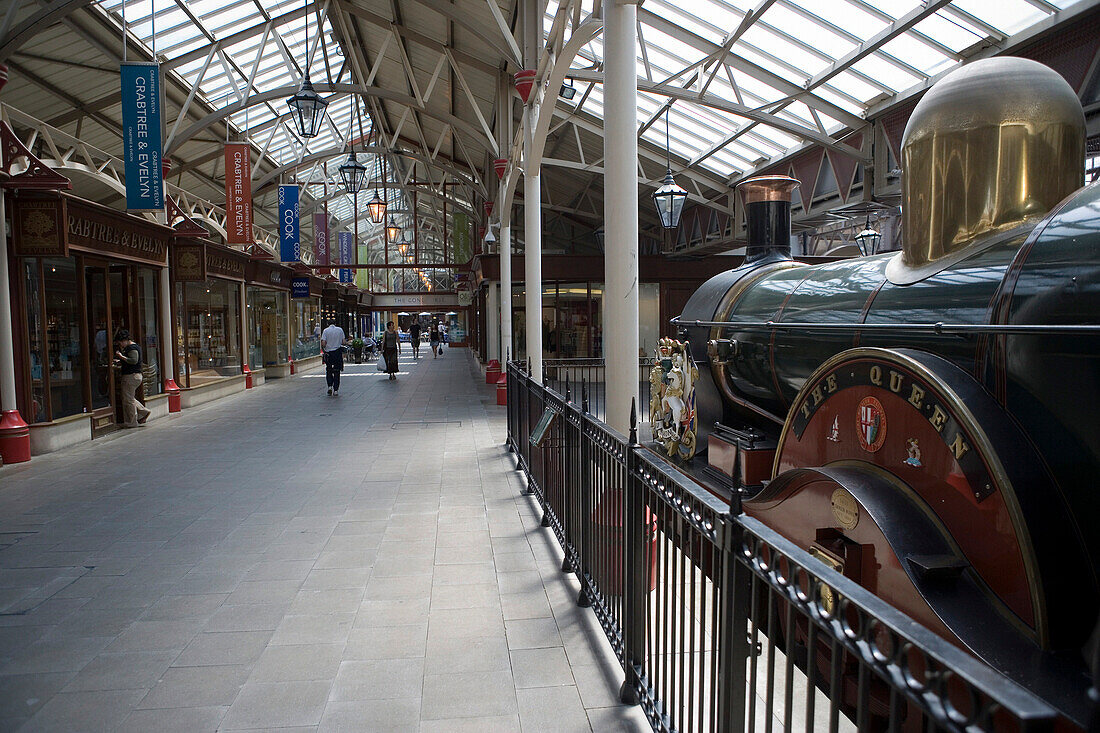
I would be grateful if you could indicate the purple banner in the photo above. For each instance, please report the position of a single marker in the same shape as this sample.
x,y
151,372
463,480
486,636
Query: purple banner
x,y
347,257
320,241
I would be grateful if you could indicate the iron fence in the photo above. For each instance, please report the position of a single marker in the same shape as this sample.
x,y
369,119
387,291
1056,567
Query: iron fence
x,y
720,623
560,372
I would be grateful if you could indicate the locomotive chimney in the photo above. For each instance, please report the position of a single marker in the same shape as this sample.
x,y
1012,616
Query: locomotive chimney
x,y
767,216
995,144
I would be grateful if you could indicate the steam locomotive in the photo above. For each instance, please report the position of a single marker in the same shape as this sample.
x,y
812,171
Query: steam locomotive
x,y
926,422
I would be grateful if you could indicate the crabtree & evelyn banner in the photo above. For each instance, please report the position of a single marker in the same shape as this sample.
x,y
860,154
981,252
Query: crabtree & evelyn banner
x,y
141,136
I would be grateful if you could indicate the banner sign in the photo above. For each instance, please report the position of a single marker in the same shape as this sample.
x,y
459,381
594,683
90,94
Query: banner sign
x,y
141,136
299,287
321,254
238,193
290,244
347,257
460,239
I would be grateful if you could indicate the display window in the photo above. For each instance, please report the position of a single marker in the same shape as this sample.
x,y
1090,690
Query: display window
x,y
305,328
68,300
208,324
267,327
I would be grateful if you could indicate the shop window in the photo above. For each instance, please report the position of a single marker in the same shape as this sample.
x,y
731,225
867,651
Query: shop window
x,y
63,347
212,330
649,317
305,328
149,331
267,329
571,335
36,349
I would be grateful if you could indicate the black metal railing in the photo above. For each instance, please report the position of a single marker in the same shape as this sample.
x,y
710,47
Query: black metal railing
x,y
560,372
720,623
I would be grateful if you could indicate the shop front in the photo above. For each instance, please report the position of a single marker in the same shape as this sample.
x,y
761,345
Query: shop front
x,y
267,295
84,272
305,318
207,282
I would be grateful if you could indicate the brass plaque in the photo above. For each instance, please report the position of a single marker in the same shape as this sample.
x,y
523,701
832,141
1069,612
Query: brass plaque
x,y
845,509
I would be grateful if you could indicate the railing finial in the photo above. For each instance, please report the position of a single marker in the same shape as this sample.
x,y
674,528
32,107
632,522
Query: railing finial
x,y
633,421
584,395
568,396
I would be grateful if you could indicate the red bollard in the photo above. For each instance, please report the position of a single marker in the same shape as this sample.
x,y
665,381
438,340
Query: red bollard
x,y
173,392
502,390
292,370
247,376
15,437
492,374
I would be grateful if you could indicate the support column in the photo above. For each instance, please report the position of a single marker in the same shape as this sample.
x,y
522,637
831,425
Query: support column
x,y
492,323
168,343
532,249
532,193
246,370
507,348
15,436
620,328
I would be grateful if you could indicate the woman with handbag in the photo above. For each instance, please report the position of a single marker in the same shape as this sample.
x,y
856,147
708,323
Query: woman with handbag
x,y
391,345
433,340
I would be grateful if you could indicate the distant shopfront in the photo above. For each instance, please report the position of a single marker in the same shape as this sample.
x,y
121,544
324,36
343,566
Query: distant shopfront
x,y
83,272
305,318
207,283
267,308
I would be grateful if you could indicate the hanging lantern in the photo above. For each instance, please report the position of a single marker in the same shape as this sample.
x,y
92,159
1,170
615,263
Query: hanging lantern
x,y
353,173
307,108
403,247
868,240
376,209
669,199
392,231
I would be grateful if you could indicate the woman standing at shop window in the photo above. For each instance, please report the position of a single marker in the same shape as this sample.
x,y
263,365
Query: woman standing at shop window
x,y
128,361
391,345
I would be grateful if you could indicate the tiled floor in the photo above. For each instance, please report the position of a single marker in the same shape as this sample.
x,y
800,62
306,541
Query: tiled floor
x,y
285,560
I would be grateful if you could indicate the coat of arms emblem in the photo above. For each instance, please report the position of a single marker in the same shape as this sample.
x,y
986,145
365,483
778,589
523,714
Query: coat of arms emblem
x,y
672,413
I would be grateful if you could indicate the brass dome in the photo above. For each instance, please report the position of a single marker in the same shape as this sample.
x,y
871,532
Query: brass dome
x,y
990,146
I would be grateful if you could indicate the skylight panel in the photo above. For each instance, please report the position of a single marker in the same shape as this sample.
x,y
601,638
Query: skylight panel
x,y
882,71
852,85
1007,16
950,31
693,22
822,37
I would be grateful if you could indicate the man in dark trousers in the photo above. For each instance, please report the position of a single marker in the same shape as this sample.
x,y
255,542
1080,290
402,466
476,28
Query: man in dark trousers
x,y
128,360
332,347
414,338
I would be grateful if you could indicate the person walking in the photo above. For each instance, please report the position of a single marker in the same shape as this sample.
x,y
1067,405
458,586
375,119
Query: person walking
x,y
433,339
442,337
391,346
332,348
414,338
128,361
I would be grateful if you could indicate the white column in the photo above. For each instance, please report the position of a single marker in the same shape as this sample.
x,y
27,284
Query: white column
x,y
167,343
620,328
532,192
492,322
532,248
7,339
504,242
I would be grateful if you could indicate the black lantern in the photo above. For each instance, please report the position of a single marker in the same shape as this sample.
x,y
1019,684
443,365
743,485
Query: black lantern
x,y
376,209
669,198
307,108
868,240
392,231
353,173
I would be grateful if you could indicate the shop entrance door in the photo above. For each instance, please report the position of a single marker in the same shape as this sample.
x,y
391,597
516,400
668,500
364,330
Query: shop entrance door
x,y
108,311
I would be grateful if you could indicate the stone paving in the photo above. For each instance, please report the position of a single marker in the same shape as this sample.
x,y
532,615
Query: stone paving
x,y
283,560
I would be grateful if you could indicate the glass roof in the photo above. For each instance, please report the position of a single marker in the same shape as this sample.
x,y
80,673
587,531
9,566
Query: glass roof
x,y
792,40
770,67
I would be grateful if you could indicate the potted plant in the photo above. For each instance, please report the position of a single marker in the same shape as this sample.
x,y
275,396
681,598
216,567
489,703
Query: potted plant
x,y
357,349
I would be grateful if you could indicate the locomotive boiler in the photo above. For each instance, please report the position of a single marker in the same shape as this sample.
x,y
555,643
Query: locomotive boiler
x,y
925,422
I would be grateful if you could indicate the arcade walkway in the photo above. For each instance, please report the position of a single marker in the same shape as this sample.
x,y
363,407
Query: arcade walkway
x,y
285,560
